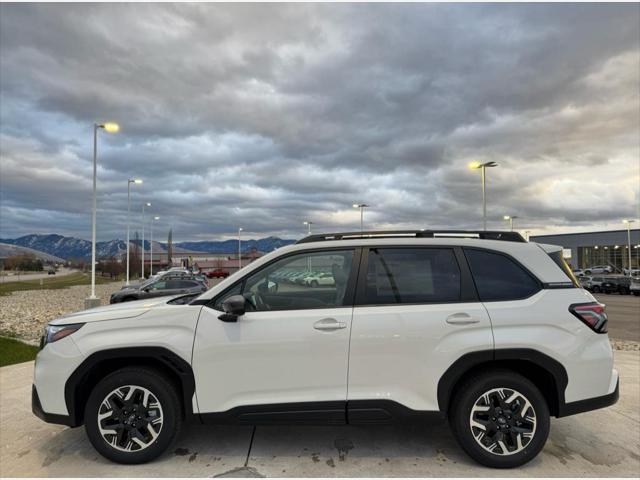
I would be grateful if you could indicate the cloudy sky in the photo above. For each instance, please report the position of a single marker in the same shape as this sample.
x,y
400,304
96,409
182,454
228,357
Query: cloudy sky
x,y
264,116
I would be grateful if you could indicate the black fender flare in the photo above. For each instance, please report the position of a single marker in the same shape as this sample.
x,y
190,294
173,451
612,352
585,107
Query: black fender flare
x,y
472,360
75,389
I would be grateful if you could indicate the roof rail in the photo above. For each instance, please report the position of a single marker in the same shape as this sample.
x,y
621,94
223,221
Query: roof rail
x,y
424,233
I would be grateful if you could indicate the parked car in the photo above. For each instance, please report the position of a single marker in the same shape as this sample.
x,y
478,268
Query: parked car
x,y
598,269
635,272
51,271
578,272
319,279
595,284
510,341
634,286
217,273
617,284
585,282
167,285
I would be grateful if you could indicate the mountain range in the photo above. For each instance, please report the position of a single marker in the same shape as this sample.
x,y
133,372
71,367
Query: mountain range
x,y
72,247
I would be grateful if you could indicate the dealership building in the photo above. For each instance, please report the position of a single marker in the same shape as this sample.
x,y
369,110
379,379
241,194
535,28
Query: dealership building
x,y
587,249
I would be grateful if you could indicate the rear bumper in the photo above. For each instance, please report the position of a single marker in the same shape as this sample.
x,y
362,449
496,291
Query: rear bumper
x,y
36,408
589,404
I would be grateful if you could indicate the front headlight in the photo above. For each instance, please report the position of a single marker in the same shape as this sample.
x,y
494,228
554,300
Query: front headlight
x,y
53,333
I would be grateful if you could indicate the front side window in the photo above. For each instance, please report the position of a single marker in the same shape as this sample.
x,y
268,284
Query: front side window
x,y
292,283
499,278
412,275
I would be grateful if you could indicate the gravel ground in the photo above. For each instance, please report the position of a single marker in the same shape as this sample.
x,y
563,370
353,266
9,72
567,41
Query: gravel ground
x,y
23,314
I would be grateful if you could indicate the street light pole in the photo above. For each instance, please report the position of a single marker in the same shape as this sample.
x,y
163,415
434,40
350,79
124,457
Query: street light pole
x,y
629,222
483,167
151,245
239,248
361,206
110,127
308,224
129,182
147,204
510,218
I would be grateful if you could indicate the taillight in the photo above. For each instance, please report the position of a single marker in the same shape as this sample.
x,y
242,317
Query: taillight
x,y
592,314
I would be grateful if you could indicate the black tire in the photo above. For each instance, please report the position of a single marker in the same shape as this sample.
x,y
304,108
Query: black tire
x,y
471,391
636,293
314,284
596,289
167,397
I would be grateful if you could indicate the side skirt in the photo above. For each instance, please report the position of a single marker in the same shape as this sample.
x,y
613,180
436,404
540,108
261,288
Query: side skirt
x,y
353,412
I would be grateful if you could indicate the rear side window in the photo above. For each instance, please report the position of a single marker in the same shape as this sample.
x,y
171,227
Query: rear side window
x,y
408,275
498,278
559,260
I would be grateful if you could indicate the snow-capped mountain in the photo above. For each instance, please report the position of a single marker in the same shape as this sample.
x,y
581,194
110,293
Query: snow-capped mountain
x,y
71,247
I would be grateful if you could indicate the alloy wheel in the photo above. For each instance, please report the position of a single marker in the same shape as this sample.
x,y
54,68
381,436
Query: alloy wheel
x,y
130,418
503,421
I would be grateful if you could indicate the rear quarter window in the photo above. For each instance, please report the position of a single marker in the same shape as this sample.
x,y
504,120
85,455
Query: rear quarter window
x,y
499,278
559,260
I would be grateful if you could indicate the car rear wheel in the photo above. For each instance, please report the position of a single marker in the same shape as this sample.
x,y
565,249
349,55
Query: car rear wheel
x,y
596,289
132,415
500,419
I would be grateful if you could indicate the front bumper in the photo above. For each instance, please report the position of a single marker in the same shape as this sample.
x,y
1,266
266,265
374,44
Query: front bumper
x,y
36,408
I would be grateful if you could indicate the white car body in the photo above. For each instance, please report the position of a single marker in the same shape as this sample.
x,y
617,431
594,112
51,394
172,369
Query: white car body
x,y
397,354
598,269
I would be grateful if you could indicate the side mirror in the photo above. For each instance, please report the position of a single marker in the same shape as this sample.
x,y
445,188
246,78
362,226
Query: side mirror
x,y
233,307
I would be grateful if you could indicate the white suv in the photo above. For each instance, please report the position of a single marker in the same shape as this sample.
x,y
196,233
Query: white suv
x,y
482,328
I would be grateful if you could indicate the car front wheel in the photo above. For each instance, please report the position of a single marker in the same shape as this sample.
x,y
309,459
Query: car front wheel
x,y
132,415
500,419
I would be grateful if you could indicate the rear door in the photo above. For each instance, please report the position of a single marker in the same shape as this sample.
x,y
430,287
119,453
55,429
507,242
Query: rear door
x,y
416,313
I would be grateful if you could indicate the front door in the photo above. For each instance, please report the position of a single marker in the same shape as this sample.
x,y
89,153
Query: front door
x,y
290,347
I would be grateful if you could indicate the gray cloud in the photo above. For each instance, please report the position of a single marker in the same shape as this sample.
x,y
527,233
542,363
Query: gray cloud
x,y
266,115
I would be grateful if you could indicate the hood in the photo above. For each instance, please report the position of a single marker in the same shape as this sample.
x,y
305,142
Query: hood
x,y
116,311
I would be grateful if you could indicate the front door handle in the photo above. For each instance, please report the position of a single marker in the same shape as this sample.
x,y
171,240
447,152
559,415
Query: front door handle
x,y
329,324
461,319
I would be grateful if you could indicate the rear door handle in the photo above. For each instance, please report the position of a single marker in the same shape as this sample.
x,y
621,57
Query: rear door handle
x,y
461,319
329,324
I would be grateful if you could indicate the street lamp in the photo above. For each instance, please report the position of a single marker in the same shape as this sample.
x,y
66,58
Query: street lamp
x,y
129,182
510,218
308,224
361,206
151,245
110,127
483,167
239,248
147,204
629,222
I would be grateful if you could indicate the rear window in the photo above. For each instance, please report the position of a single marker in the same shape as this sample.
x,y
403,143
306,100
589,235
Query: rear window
x,y
498,277
559,260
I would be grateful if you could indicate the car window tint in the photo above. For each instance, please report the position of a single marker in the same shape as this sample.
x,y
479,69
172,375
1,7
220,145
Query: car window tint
x,y
235,290
159,285
292,283
497,277
408,275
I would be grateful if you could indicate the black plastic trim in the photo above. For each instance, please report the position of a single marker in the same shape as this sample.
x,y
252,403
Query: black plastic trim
x,y
423,233
36,408
173,362
304,413
589,404
467,362
353,412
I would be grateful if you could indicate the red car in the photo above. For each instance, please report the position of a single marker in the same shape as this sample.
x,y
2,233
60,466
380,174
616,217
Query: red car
x,y
217,273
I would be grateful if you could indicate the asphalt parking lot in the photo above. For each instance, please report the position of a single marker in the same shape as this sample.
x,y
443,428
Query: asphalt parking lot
x,y
594,444
624,316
